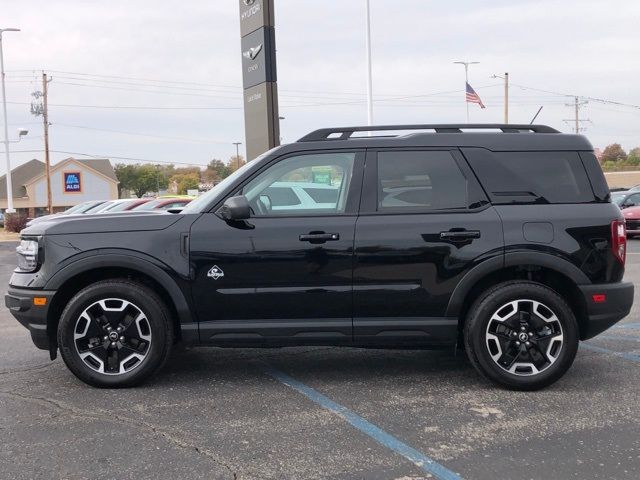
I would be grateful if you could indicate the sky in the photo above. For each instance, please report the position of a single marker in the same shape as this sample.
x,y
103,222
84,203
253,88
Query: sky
x,y
161,80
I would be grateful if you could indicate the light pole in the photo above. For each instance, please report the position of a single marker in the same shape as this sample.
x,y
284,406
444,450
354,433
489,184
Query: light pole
x,y
506,95
369,75
237,144
466,81
6,126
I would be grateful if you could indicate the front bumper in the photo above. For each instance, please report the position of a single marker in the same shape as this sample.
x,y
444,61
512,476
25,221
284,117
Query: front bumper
x,y
604,314
20,302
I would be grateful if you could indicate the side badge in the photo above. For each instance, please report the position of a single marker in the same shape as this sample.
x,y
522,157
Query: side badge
x,y
215,272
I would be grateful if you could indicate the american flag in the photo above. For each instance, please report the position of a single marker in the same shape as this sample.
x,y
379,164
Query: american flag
x,y
473,97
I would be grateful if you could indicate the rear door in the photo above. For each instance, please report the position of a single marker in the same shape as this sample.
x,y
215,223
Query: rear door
x,y
424,222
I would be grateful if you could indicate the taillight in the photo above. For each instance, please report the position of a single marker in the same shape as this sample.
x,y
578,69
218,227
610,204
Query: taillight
x,y
619,240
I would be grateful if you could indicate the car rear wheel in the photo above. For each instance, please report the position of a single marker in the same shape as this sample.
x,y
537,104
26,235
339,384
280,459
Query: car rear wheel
x,y
115,333
521,335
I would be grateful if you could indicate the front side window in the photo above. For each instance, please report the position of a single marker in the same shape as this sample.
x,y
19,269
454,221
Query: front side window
x,y
290,187
420,180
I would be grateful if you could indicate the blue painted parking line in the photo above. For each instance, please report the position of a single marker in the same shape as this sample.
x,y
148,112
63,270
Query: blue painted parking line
x,y
634,357
428,465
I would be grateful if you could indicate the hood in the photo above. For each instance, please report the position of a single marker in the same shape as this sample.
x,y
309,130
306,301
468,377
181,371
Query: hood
x,y
43,218
631,212
103,223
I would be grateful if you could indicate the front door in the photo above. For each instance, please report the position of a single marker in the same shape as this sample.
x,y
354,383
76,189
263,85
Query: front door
x,y
285,275
423,224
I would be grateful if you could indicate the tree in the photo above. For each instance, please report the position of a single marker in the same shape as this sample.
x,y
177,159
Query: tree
x,y
634,157
614,152
235,163
140,179
189,181
126,175
216,170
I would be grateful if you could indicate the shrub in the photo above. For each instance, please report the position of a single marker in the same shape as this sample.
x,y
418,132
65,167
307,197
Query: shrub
x,y
15,222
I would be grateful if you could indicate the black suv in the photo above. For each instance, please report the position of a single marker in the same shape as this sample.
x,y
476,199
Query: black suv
x,y
498,238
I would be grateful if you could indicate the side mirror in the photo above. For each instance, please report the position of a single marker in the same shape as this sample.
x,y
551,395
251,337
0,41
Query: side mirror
x,y
235,208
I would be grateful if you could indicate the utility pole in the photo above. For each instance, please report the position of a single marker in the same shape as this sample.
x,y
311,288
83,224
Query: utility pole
x,y
466,82
10,208
369,75
41,108
45,117
576,120
237,144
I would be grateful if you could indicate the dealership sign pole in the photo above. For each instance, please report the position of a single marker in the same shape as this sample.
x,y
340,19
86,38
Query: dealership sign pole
x,y
257,32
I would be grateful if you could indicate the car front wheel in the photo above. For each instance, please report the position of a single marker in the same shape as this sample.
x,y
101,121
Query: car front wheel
x,y
115,333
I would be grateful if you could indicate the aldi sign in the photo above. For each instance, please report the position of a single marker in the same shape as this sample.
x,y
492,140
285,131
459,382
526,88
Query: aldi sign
x,y
72,182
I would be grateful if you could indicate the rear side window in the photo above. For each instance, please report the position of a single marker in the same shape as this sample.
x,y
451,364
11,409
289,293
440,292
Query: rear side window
x,y
420,180
531,177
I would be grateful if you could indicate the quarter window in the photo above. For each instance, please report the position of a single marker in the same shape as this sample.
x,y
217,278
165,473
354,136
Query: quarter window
x,y
420,180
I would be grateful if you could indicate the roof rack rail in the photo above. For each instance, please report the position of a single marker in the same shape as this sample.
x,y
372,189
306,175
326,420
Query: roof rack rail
x,y
344,133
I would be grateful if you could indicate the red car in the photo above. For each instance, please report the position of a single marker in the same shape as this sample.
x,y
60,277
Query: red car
x,y
632,220
164,204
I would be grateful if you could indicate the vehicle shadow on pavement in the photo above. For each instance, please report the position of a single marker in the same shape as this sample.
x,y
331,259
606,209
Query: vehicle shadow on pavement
x,y
328,363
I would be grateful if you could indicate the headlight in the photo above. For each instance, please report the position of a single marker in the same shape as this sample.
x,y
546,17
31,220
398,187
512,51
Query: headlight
x,y
27,255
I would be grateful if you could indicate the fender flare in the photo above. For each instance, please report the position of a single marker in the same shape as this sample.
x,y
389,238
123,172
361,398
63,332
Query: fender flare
x,y
512,259
144,264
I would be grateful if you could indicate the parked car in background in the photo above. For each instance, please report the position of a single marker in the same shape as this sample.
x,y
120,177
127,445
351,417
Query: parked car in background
x,y
165,203
79,209
300,195
632,221
124,205
626,199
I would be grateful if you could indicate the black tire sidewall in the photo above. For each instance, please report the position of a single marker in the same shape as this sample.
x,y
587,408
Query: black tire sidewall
x,y
488,304
143,298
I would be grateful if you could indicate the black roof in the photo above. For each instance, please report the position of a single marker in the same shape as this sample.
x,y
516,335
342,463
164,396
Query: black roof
x,y
496,137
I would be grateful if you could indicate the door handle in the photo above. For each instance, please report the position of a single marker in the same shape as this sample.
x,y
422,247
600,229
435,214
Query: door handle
x,y
319,237
459,234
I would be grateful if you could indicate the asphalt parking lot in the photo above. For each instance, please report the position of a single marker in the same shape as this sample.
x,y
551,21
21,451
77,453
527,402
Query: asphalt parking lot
x,y
301,413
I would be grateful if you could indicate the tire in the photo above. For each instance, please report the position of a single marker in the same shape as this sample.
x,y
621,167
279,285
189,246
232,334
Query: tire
x,y
115,333
521,335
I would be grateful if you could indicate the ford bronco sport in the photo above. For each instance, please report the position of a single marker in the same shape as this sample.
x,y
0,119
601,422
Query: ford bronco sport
x,y
498,238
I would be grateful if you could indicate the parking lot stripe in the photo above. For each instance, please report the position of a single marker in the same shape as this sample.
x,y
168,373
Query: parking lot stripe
x,y
385,439
626,355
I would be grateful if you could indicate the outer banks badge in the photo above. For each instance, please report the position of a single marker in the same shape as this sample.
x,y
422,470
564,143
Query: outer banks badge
x,y
215,272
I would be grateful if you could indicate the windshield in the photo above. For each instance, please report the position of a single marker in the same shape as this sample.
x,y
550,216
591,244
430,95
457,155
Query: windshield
x,y
149,205
100,207
205,199
77,209
618,197
119,207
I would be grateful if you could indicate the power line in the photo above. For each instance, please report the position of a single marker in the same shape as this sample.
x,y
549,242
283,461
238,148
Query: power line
x,y
163,137
112,157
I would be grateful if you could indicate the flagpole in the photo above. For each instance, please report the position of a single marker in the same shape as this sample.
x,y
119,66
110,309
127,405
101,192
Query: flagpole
x,y
369,76
466,82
